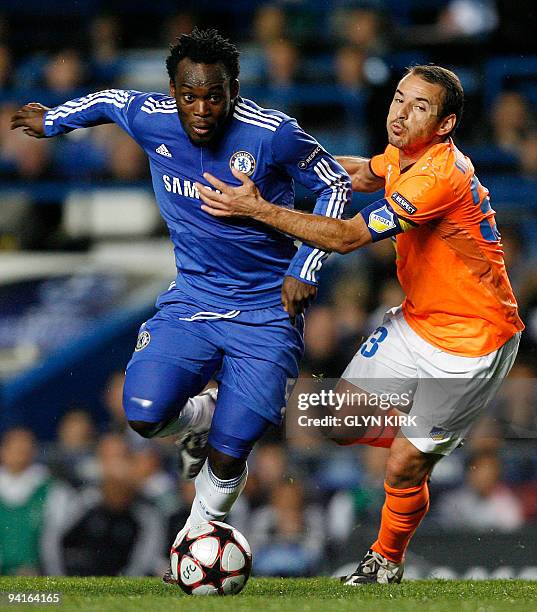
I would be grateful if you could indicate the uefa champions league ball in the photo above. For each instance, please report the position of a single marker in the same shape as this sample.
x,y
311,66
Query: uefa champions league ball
x,y
211,559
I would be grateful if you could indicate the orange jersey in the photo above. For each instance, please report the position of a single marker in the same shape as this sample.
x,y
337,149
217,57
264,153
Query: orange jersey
x,y
449,258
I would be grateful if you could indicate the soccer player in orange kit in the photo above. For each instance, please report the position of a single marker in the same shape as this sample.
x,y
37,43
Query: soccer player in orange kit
x,y
458,326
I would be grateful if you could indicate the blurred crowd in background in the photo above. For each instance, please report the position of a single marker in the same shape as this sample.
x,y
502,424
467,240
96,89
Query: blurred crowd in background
x,y
103,500
332,65
110,502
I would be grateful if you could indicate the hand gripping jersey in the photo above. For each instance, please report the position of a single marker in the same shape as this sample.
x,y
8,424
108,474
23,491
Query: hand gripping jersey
x,y
450,265
224,263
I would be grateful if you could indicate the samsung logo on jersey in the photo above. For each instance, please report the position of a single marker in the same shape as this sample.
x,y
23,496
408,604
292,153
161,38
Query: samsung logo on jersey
x,y
173,184
403,203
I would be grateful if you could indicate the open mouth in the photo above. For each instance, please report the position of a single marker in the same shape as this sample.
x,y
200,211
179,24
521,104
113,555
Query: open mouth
x,y
202,130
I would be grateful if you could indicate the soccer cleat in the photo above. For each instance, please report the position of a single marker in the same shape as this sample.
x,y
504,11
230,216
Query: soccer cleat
x,y
374,568
193,452
168,577
193,444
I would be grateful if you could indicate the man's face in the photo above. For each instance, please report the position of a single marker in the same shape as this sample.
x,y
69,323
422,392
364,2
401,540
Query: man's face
x,y
413,119
17,451
204,97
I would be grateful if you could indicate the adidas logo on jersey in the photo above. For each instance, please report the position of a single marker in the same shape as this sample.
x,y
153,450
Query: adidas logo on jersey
x,y
163,150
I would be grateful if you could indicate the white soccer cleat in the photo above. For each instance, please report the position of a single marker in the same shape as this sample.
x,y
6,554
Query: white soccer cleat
x,y
375,569
193,444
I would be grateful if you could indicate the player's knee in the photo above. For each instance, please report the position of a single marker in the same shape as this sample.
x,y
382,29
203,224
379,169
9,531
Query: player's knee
x,y
404,470
225,466
397,472
145,429
344,441
339,441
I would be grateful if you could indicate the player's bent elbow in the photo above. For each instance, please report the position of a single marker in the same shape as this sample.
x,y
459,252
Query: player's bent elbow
x,y
363,182
361,185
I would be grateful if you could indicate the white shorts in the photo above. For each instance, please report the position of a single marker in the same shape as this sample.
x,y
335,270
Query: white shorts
x,y
448,392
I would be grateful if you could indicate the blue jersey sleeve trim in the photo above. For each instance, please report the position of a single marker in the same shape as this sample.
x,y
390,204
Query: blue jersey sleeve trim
x,y
302,279
305,160
106,106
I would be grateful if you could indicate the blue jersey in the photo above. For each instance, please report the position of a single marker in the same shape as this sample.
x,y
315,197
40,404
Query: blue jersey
x,y
221,262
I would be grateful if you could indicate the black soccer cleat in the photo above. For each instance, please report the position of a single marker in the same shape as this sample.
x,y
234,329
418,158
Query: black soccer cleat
x,y
168,577
375,569
193,451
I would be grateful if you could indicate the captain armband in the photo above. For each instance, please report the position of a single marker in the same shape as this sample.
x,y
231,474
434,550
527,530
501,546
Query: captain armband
x,y
382,221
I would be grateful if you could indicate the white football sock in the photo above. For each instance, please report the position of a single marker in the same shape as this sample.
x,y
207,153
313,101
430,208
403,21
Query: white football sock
x,y
214,497
196,415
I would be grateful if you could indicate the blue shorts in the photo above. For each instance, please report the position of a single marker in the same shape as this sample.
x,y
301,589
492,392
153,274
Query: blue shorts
x,y
252,354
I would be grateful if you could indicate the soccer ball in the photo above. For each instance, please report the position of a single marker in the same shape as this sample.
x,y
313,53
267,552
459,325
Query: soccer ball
x,y
211,559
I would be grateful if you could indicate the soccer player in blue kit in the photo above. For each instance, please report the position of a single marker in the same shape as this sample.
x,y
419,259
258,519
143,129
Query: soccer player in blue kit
x,y
235,309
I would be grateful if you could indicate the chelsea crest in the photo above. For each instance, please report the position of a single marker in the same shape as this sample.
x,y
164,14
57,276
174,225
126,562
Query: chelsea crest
x,y
243,162
144,338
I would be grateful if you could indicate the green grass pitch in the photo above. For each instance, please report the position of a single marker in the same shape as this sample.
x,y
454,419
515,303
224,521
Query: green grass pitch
x,y
266,594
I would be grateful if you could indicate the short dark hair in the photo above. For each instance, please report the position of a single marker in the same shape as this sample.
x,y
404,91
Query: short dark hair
x,y
204,47
453,102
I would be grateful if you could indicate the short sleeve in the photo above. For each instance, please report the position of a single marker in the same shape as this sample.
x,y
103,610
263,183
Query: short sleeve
x,y
422,197
377,165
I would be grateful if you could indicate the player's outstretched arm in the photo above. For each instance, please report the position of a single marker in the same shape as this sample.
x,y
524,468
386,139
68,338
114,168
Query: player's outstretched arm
x,y
30,118
325,233
106,106
359,170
